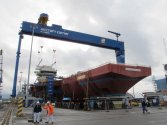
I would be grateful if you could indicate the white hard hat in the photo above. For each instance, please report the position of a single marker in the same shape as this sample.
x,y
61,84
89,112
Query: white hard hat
x,y
37,102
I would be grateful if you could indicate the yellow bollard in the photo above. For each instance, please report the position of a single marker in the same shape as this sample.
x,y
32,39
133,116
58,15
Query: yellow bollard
x,y
20,107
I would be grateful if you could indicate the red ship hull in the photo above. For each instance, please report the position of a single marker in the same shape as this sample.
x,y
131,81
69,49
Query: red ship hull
x,y
109,79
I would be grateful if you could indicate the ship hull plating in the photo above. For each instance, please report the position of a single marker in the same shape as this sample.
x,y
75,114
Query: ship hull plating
x,y
106,80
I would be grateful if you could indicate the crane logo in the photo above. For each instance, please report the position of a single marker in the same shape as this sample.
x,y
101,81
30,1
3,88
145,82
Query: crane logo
x,y
47,31
50,31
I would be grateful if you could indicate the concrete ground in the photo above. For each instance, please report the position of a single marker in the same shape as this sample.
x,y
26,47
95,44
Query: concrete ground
x,y
113,117
1,115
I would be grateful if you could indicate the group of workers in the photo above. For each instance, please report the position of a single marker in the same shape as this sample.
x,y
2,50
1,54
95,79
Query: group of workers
x,y
38,109
50,110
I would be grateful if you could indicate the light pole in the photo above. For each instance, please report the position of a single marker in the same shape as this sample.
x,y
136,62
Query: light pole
x,y
87,90
29,69
73,93
87,86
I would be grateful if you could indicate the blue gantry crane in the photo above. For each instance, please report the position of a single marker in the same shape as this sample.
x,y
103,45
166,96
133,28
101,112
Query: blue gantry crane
x,y
41,29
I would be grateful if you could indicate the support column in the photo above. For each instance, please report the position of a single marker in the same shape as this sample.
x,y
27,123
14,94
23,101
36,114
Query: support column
x,y
17,65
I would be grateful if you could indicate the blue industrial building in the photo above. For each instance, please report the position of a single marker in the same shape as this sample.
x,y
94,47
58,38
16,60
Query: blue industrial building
x,y
161,84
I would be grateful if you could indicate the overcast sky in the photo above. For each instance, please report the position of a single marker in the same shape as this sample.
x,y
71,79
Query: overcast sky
x,y
142,24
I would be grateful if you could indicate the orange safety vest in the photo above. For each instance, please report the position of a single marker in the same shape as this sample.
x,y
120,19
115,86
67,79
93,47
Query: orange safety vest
x,y
49,108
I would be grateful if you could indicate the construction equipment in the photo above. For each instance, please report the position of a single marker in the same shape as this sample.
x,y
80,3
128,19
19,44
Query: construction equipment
x,y
57,32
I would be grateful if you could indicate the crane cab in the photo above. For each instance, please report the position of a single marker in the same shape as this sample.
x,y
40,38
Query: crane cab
x,y
43,19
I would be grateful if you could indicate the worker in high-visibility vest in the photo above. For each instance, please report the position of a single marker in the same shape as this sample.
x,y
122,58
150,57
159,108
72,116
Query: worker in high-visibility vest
x,y
50,111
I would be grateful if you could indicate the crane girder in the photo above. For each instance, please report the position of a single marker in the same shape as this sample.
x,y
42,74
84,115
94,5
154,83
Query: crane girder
x,y
57,32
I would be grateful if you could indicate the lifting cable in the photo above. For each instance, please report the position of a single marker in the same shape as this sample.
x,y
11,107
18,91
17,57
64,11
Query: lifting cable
x,y
39,56
54,58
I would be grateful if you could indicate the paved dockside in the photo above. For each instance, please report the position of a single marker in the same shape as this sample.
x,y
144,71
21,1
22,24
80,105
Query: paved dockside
x,y
113,117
